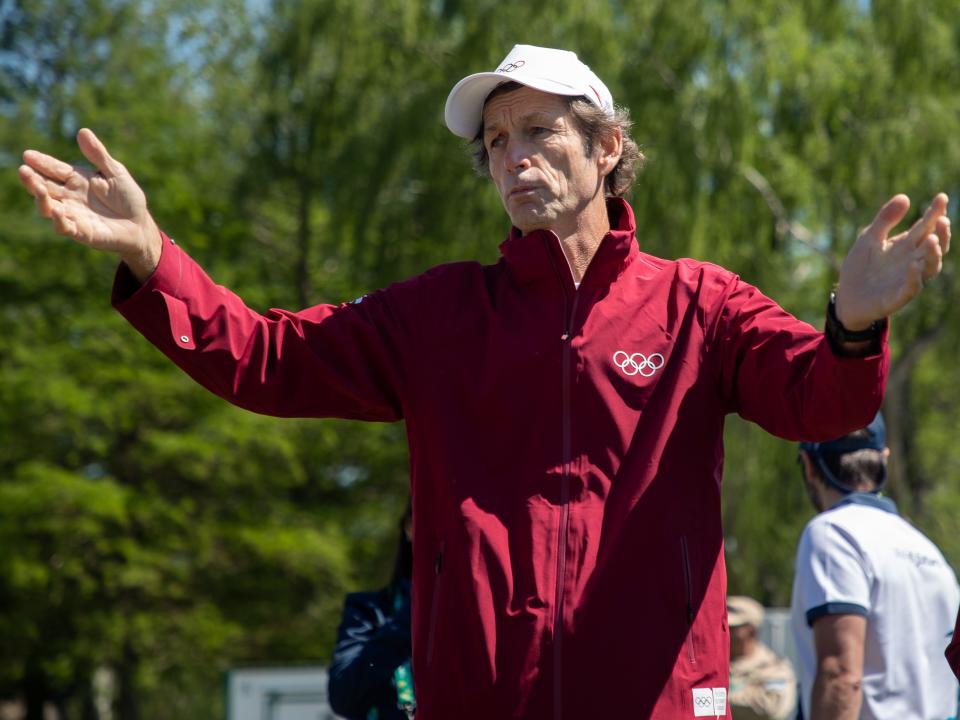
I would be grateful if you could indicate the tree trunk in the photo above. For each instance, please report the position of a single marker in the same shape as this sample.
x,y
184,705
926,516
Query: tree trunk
x,y
908,483
127,701
34,693
305,196
88,707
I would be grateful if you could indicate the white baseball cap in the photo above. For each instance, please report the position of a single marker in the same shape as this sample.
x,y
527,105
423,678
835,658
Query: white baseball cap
x,y
554,71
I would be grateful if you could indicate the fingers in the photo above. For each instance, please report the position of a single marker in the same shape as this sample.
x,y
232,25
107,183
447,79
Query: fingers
x,y
892,212
929,221
96,152
48,205
931,238
63,224
928,257
943,234
53,209
56,211
47,166
30,180
36,186
58,171
44,205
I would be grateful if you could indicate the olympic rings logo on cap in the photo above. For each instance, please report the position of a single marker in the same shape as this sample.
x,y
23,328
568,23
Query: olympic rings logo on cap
x,y
510,67
638,363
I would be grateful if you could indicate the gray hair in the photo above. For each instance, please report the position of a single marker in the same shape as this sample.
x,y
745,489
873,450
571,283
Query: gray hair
x,y
593,124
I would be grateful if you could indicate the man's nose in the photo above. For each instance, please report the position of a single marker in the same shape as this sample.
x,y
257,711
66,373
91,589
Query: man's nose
x,y
517,156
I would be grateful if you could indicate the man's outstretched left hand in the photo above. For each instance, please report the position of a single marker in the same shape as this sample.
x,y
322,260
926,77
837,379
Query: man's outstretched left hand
x,y
884,272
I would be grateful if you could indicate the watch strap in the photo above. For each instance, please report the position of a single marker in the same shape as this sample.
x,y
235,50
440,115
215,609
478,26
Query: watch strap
x,y
839,336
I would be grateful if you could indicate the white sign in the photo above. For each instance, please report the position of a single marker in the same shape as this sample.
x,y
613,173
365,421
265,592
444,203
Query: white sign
x,y
278,694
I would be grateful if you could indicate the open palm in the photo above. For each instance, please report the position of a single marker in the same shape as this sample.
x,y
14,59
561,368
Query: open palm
x,y
883,272
102,207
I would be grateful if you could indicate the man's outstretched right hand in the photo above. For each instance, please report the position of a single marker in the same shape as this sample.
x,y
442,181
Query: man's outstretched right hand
x,y
102,208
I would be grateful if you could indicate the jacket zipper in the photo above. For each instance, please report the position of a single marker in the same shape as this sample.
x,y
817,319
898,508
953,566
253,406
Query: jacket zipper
x,y
435,597
564,510
688,585
569,315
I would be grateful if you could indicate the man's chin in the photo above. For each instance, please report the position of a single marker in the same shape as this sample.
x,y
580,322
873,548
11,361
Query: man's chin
x,y
527,222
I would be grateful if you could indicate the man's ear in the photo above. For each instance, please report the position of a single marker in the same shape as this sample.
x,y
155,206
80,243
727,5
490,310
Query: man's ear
x,y
610,149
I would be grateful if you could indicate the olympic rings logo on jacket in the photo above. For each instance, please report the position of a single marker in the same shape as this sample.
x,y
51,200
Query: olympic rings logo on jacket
x,y
638,363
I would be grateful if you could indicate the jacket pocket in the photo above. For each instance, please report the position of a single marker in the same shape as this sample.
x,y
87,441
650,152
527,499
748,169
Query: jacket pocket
x,y
434,604
688,589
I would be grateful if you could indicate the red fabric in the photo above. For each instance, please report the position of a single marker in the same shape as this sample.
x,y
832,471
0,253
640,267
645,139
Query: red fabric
x,y
569,551
953,650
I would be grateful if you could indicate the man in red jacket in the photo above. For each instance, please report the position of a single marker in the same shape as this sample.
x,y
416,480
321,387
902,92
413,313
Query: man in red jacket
x,y
564,406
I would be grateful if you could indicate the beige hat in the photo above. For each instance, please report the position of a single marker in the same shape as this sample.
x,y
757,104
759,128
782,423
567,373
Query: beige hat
x,y
743,610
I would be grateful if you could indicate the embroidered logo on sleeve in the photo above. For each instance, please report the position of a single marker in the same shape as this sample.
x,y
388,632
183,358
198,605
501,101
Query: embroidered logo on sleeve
x,y
709,702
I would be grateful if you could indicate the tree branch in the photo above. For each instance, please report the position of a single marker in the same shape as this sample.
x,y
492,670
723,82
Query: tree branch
x,y
784,225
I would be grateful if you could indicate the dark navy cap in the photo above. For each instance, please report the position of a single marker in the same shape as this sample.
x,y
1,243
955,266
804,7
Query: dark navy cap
x,y
875,438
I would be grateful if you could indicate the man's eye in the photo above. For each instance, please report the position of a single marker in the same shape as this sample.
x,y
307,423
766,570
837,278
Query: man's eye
x,y
496,142
539,131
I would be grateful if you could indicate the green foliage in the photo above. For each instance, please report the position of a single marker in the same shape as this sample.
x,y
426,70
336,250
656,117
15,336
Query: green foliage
x,y
298,152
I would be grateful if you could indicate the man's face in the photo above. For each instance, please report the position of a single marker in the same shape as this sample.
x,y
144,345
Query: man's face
x,y
538,160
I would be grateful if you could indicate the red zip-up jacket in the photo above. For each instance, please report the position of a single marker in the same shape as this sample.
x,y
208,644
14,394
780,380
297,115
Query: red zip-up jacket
x,y
565,452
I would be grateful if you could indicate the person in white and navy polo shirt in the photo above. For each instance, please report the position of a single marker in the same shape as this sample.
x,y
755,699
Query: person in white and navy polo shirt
x,y
874,600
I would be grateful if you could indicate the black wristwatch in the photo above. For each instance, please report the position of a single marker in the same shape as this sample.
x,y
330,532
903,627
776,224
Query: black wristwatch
x,y
839,336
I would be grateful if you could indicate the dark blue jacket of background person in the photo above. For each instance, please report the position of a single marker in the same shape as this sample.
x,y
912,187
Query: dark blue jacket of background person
x,y
373,641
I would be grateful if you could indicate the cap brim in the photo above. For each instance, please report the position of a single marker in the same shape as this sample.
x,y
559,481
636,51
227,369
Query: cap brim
x,y
464,107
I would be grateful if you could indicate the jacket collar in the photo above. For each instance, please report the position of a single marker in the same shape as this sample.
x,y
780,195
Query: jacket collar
x,y
538,255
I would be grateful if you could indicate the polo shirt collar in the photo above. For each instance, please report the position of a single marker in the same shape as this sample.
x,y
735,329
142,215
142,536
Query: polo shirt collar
x,y
869,500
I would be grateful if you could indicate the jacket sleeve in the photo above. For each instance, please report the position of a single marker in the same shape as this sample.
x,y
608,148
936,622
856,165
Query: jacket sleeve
x,y
370,646
781,373
326,361
953,650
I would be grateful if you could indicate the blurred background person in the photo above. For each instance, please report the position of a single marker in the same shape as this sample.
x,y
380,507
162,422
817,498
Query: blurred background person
x,y
762,685
874,600
370,673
